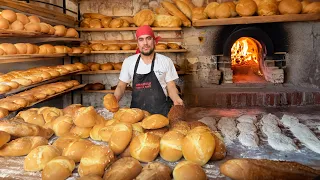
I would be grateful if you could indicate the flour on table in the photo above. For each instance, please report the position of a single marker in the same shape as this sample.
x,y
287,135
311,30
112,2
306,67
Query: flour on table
x,y
288,120
269,129
269,119
281,142
247,118
249,139
210,122
246,127
226,122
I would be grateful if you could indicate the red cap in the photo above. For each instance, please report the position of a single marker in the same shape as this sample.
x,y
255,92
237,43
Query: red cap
x,y
146,30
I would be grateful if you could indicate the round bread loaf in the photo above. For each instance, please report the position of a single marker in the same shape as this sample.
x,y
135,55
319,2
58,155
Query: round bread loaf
x,y
52,30
198,146
47,49
39,157
34,19
187,170
117,66
85,117
120,137
161,46
21,48
9,15
106,67
137,129
71,32
145,147
290,7
22,146
155,121
181,127
45,28
22,18
17,25
166,21
144,17
106,132
313,7
62,142
3,112
158,132
58,168
106,21
110,102
95,23
155,170
9,48
4,24
71,109
171,146
223,11
193,124
97,47
126,47
97,86
267,8
220,150
76,149
246,7
62,125
176,113
94,160
113,47
60,30
199,14
129,115
82,132
129,167
50,113
211,9
33,27
95,67
116,23
4,138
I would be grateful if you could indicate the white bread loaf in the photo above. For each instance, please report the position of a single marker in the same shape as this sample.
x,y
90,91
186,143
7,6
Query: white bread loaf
x,y
211,9
246,7
62,142
58,168
50,113
129,115
198,146
171,146
155,121
45,28
8,48
81,131
220,150
145,147
62,125
47,49
187,170
21,48
22,18
17,25
4,24
173,10
32,27
158,132
120,137
71,32
155,170
39,157
94,160
94,133
106,132
180,126
32,116
76,149
123,169
261,169
22,146
60,30
85,117
90,177
110,103
9,15
4,138
34,19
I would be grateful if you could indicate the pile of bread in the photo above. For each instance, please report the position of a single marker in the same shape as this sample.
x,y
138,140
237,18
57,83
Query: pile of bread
x,y
93,66
20,22
164,46
16,79
27,49
29,97
96,20
94,86
112,47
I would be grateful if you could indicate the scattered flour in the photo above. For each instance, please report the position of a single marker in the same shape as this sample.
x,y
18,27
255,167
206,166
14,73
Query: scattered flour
x,y
246,127
249,139
247,118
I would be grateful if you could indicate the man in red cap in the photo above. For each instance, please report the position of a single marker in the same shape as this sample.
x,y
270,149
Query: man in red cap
x,y
152,76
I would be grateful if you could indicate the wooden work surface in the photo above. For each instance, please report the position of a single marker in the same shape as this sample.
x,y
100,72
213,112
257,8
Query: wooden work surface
x,y
257,19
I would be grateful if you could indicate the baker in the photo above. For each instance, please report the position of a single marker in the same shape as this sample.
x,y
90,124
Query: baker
x,y
152,76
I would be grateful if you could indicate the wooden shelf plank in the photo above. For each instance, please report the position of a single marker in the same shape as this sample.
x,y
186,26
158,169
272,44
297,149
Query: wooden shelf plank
x,y
36,36
257,19
6,61
113,72
22,88
102,91
28,56
133,41
125,29
134,51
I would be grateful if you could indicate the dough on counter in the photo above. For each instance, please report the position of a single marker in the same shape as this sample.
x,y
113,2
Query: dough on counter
x,y
270,119
247,118
226,121
269,129
246,127
281,142
288,120
227,126
249,139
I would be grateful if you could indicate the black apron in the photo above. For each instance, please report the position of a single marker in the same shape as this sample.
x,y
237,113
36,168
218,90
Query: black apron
x,y
147,92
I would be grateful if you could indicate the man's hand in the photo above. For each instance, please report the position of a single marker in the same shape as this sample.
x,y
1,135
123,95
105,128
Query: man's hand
x,y
178,102
173,93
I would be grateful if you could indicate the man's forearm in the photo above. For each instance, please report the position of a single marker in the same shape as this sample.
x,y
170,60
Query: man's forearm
x,y
118,93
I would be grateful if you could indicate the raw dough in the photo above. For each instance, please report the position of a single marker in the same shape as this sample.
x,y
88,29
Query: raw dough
x,y
249,139
246,127
288,120
269,119
247,118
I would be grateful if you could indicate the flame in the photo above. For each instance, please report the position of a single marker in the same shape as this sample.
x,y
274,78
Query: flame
x,y
244,51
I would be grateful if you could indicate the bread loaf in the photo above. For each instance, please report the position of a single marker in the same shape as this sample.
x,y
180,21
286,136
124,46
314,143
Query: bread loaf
x,y
76,149
4,138
158,132
173,10
9,15
199,14
166,21
34,19
220,150
210,9
106,132
198,146
246,7
8,48
155,170
39,157
290,7
33,27
95,23
71,32
4,24
106,21
3,112
94,15
129,115
22,146
110,103
47,49
62,142
145,147
106,67
45,28
267,8
58,168
116,23
176,113
71,109
22,18
17,25
125,47
62,125
173,46
313,7
180,126
82,132
32,116
123,169
85,117
117,66
60,30
94,133
143,17
155,121
171,146
223,11
187,170
120,137
90,177
254,169
183,7
94,160
50,113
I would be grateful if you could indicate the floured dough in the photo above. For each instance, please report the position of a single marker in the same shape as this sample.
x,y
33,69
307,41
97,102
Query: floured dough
x,y
249,139
319,128
229,133
281,142
226,122
269,119
247,118
288,120
269,129
210,120
246,127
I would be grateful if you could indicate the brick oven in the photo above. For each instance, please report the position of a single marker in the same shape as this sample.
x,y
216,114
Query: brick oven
x,y
266,65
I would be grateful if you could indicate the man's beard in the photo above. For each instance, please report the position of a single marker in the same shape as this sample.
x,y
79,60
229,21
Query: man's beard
x,y
148,53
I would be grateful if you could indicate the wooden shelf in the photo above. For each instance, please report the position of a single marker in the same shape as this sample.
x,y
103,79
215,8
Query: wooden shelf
x,y
133,41
257,19
113,72
6,61
22,88
102,91
36,36
28,57
125,29
134,51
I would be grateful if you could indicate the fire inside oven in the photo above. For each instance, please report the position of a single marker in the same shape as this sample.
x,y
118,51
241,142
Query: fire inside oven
x,y
246,57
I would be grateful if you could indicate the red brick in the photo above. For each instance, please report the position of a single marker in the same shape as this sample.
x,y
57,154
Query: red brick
x,y
241,99
228,100
269,99
249,99
316,96
260,99
283,99
254,99
233,100
289,98
277,99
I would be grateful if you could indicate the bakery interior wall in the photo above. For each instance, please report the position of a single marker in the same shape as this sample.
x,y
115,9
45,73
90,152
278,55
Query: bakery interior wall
x,y
302,58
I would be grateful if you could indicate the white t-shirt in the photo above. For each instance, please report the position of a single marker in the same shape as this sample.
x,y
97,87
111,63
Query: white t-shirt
x,y
163,68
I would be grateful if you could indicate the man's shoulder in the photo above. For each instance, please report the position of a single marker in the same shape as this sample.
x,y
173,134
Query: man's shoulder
x,y
163,57
131,59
